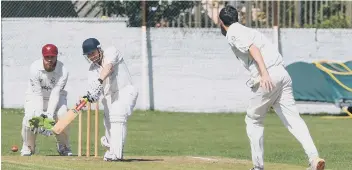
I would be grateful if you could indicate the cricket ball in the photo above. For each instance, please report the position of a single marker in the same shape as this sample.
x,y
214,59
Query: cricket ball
x,y
14,148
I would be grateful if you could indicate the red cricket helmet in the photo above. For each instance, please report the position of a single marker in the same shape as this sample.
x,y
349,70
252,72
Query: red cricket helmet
x,y
49,50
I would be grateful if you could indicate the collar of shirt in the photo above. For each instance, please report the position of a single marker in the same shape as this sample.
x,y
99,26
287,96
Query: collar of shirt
x,y
41,67
94,66
229,29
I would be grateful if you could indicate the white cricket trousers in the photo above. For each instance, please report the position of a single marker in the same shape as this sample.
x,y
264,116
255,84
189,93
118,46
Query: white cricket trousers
x,y
282,100
117,108
29,139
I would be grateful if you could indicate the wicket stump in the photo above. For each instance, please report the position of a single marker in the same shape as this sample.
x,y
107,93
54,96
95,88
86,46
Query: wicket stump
x,y
96,130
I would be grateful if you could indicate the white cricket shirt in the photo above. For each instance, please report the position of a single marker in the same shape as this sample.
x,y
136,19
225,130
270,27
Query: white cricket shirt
x,y
241,38
45,85
119,77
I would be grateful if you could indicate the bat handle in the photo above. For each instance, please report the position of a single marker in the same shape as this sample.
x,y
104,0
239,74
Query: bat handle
x,y
82,104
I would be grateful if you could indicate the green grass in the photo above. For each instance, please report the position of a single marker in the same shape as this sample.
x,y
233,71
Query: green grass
x,y
169,139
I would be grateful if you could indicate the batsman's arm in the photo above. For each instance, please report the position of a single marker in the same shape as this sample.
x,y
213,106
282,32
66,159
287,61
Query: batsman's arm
x,y
113,57
94,86
107,69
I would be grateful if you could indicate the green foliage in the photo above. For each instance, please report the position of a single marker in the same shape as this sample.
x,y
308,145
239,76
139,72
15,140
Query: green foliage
x,y
332,17
156,11
336,21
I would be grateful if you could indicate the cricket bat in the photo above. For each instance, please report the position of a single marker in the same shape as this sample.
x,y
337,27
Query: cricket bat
x,y
69,117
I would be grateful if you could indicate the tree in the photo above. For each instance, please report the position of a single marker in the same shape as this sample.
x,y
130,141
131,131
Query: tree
x,y
156,10
332,17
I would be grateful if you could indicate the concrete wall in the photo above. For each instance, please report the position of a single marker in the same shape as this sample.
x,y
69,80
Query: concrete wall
x,y
194,70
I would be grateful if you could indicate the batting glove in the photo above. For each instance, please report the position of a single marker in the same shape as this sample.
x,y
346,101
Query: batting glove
x,y
94,92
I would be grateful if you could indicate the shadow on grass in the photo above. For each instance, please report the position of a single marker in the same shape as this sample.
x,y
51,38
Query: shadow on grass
x,y
325,114
100,157
141,160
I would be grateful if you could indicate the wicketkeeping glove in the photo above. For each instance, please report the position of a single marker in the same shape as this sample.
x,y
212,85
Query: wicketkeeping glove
x,y
42,125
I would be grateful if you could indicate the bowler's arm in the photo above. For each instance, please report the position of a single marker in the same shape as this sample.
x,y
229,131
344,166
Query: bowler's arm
x,y
244,41
265,81
257,56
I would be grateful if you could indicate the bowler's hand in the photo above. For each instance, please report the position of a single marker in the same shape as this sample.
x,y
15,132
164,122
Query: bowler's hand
x,y
106,71
266,82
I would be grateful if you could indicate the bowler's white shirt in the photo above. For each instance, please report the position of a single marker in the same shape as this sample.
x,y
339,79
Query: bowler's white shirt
x,y
118,78
42,84
241,38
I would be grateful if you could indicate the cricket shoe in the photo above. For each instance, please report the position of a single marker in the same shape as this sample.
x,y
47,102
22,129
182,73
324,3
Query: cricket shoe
x,y
110,157
317,164
26,151
104,142
64,150
256,169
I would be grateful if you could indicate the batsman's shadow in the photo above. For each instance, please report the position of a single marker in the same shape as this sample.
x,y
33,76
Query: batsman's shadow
x,y
141,160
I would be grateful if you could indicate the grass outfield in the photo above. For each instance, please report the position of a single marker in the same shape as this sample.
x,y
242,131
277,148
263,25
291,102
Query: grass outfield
x,y
163,140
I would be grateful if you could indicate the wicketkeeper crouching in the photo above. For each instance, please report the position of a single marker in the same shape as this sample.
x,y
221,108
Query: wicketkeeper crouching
x,y
45,102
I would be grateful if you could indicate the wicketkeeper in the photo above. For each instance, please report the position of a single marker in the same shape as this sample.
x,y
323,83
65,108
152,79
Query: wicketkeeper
x,y
45,101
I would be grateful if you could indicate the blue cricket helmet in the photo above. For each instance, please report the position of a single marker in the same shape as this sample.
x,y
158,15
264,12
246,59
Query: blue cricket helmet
x,y
89,45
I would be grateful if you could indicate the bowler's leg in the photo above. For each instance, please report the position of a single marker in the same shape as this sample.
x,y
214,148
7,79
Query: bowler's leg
x,y
258,107
286,109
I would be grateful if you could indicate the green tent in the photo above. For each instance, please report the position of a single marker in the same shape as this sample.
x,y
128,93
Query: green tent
x,y
329,82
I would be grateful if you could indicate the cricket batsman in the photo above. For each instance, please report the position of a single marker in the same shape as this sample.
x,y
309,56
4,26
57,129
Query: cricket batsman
x,y
110,82
271,86
45,101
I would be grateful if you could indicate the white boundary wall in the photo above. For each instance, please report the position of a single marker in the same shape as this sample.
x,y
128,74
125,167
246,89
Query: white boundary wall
x,y
194,69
